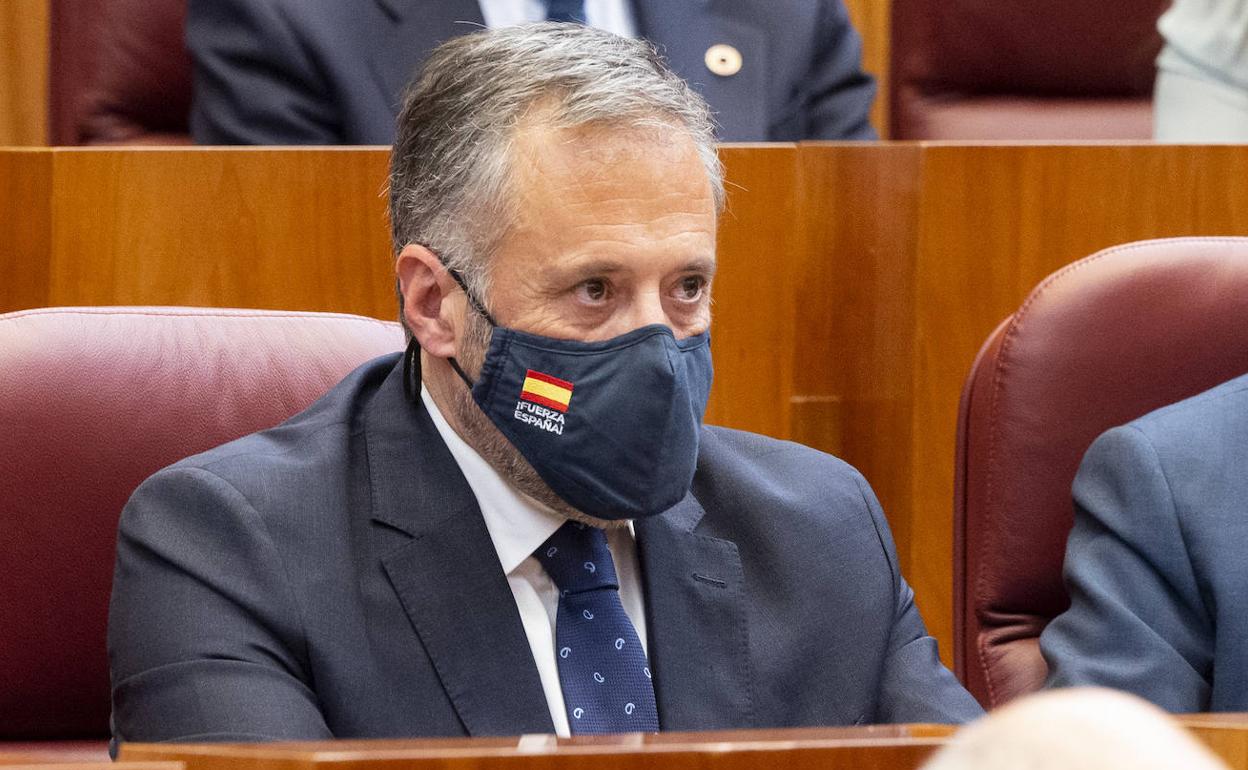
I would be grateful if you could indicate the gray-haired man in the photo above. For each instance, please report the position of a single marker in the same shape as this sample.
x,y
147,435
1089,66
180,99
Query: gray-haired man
x,y
520,525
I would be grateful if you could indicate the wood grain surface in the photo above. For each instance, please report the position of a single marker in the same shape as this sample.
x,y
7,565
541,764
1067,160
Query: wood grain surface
x,y
25,228
752,339
281,229
1226,735
855,302
867,748
873,20
23,72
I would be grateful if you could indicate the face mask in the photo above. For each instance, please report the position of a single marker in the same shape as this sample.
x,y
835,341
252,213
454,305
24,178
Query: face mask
x,y
611,426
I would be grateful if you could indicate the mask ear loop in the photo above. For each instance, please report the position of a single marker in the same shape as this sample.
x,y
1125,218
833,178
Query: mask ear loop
x,y
411,357
411,369
472,298
477,306
460,371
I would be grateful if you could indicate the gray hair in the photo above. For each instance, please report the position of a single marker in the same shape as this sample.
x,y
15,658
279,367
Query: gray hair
x,y
450,167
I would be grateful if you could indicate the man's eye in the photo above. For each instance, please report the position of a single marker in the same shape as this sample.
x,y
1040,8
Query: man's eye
x,y
692,287
593,290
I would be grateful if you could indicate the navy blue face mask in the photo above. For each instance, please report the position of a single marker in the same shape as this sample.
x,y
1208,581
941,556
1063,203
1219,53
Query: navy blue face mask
x,y
611,426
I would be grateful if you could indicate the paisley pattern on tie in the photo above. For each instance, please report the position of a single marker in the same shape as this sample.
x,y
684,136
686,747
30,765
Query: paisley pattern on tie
x,y
566,10
603,671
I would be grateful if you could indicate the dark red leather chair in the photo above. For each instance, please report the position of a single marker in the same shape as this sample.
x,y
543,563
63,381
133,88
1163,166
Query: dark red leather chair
x,y
1097,344
92,401
120,72
1023,69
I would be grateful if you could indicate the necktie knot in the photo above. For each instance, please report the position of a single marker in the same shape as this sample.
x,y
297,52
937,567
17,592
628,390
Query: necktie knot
x,y
577,559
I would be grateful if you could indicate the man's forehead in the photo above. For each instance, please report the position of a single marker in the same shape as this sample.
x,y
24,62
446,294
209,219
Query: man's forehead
x,y
593,198
540,141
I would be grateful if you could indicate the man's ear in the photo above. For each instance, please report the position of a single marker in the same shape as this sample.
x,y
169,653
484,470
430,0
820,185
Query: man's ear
x,y
425,286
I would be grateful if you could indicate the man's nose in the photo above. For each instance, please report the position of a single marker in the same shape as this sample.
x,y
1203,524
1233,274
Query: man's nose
x,y
648,309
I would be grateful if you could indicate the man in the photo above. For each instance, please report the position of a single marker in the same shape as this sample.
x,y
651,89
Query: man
x,y
330,72
1155,563
520,525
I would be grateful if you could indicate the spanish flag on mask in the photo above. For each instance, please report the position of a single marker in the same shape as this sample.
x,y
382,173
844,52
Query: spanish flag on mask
x,y
550,392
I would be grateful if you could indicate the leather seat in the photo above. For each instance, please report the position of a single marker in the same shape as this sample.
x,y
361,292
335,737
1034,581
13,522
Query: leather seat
x,y
1097,344
92,401
1023,69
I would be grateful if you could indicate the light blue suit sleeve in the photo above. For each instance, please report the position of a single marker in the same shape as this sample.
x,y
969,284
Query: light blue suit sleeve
x,y
1138,620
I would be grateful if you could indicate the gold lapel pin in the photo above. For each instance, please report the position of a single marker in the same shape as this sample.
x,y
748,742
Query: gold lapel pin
x,y
723,60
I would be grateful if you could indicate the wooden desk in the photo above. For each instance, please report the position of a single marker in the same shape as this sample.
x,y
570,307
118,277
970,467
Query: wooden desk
x,y
885,747
901,747
50,762
1225,734
91,753
856,281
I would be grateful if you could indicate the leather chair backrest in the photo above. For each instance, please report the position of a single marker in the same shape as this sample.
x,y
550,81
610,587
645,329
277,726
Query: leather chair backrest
x,y
92,401
955,50
120,72
1097,344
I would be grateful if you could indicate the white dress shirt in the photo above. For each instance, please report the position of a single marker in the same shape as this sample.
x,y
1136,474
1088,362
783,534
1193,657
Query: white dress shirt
x,y
1201,94
518,524
1207,39
612,15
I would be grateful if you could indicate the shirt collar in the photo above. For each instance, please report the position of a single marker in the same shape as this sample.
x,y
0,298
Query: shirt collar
x,y
517,523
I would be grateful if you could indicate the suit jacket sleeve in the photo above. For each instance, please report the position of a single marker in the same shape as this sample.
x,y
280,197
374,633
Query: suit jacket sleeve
x,y
915,686
205,640
1137,620
840,92
254,82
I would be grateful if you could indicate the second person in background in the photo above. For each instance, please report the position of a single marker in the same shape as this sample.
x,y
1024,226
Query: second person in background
x,y
330,72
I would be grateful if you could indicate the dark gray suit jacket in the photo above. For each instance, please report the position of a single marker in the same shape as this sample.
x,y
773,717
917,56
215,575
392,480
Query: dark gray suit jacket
x,y
332,71
333,576
1157,563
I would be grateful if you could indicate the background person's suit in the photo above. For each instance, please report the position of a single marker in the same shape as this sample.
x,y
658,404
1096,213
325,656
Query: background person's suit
x,y
1156,565
332,72
333,576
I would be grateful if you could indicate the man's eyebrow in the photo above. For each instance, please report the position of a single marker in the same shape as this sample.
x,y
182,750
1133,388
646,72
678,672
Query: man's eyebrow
x,y
707,265
591,266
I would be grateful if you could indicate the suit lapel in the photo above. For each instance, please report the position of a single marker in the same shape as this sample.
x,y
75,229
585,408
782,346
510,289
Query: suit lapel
x,y
695,607
415,28
684,32
446,574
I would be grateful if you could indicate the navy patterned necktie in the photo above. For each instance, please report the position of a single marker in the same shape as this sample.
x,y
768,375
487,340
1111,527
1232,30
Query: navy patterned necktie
x,y
602,666
566,10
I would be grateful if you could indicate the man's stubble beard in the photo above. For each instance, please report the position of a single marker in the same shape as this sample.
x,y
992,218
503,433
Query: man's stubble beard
x,y
483,436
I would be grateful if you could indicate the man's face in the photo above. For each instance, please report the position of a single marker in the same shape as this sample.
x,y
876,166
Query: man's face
x,y
615,230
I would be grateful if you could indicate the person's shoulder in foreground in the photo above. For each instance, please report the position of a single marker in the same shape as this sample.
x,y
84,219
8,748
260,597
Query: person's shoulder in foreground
x,y
442,544
1154,564
329,72
1082,728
